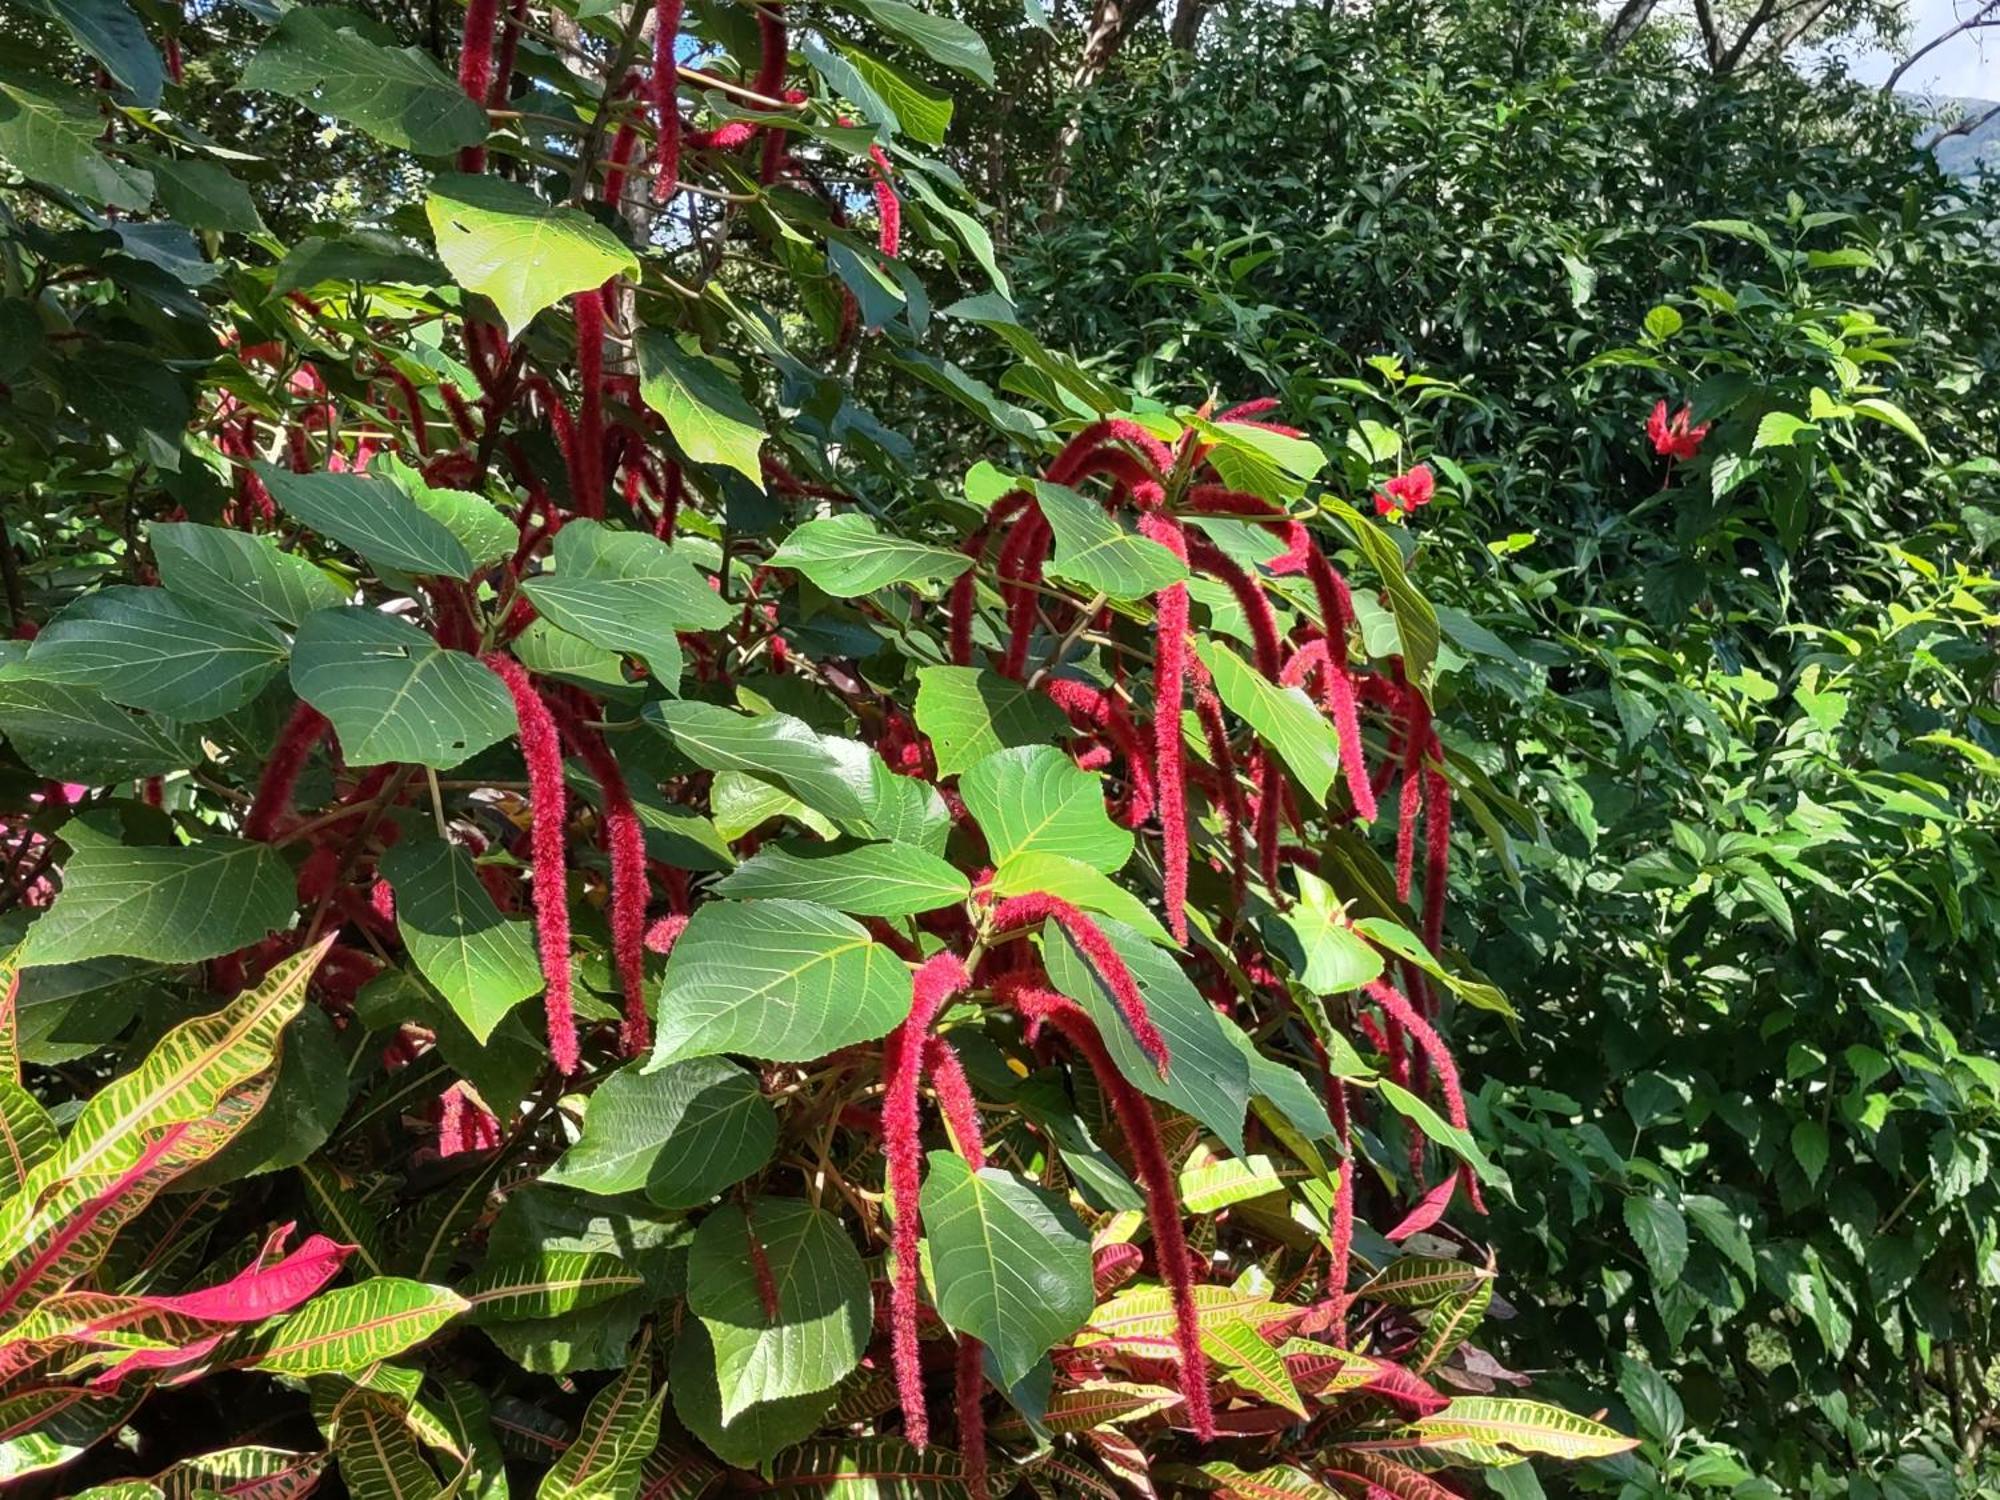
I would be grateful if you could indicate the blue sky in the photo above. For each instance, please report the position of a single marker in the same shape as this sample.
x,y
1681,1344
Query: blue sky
x,y
1967,66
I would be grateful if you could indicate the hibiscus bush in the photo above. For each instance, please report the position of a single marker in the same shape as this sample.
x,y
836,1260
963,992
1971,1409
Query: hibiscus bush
x,y
582,919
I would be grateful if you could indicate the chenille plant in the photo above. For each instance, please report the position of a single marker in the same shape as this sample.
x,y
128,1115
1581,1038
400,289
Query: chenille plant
x,y
579,920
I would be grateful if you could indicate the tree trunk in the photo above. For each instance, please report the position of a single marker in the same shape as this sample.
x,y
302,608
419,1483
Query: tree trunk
x,y
1632,15
1111,21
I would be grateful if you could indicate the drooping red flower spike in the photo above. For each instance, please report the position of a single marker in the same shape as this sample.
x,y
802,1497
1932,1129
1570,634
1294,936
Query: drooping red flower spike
x,y
955,1099
666,101
1396,1006
888,207
1235,816
273,800
1038,1005
548,809
968,1391
1407,491
1674,440
625,841
1093,707
465,1123
1437,854
1032,910
940,977
587,466
1170,659
475,69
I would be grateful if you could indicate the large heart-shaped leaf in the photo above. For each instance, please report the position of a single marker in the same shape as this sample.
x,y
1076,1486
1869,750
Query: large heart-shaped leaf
x,y
393,693
625,591
783,981
702,406
1009,1262
516,248
680,1134
239,570
943,39
970,713
376,518
1095,549
50,133
820,1328
73,734
481,962
848,555
1035,799
147,649
170,904
329,59
754,1434
875,880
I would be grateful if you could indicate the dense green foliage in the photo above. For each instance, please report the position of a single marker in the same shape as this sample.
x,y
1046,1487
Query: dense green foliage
x,y
1749,700
596,901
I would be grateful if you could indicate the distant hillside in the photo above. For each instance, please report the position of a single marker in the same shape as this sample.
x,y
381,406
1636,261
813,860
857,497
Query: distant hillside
x,y
1962,155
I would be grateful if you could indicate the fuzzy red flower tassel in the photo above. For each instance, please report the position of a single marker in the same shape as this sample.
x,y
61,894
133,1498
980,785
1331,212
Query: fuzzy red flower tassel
x,y
1170,659
1032,910
273,799
541,748
666,102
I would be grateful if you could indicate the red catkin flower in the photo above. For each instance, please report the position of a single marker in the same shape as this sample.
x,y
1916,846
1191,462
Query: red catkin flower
x,y
760,1267
1170,658
503,67
273,799
663,934
1266,644
587,464
1437,854
1156,1180
1235,818
1399,1010
968,1386
1342,1247
541,748
888,207
1093,707
1038,907
941,977
955,1100
475,69
666,101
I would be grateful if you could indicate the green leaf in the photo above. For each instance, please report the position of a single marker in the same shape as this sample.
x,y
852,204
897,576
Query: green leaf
x,y
517,249
237,570
1337,957
970,713
351,1327
1009,1262
701,404
619,1429
1663,322
1524,1426
824,1310
1207,1076
550,1285
486,535
625,591
924,115
393,693
1449,1136
144,648
875,880
110,32
202,195
1810,1148
941,38
1209,1184
781,981
324,57
308,1098
1094,548
1034,799
680,1134
50,133
139,401
1894,416
1248,1360
375,517
172,905
1284,717
481,962
73,734
1661,1234
848,555
1416,620
752,1436
379,1459
1777,429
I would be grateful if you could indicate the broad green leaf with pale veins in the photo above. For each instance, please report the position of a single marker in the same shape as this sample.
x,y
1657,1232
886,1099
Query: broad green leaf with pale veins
x,y
942,38
1094,548
1284,717
625,591
74,734
1035,799
782,981
1010,1263
848,555
517,249
875,880
969,713
326,57
481,962
703,409
50,133
680,1134
393,693
168,904
823,1306
375,517
146,649
239,570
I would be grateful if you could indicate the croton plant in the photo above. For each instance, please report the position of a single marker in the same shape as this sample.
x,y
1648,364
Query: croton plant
x,y
590,915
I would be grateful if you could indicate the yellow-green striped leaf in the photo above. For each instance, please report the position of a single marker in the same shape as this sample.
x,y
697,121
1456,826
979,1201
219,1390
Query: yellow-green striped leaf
x,y
552,1284
351,1327
1524,1426
619,1429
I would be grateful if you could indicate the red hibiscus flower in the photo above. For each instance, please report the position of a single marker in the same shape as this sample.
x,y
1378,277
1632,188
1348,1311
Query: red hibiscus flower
x,y
1675,439
1408,490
